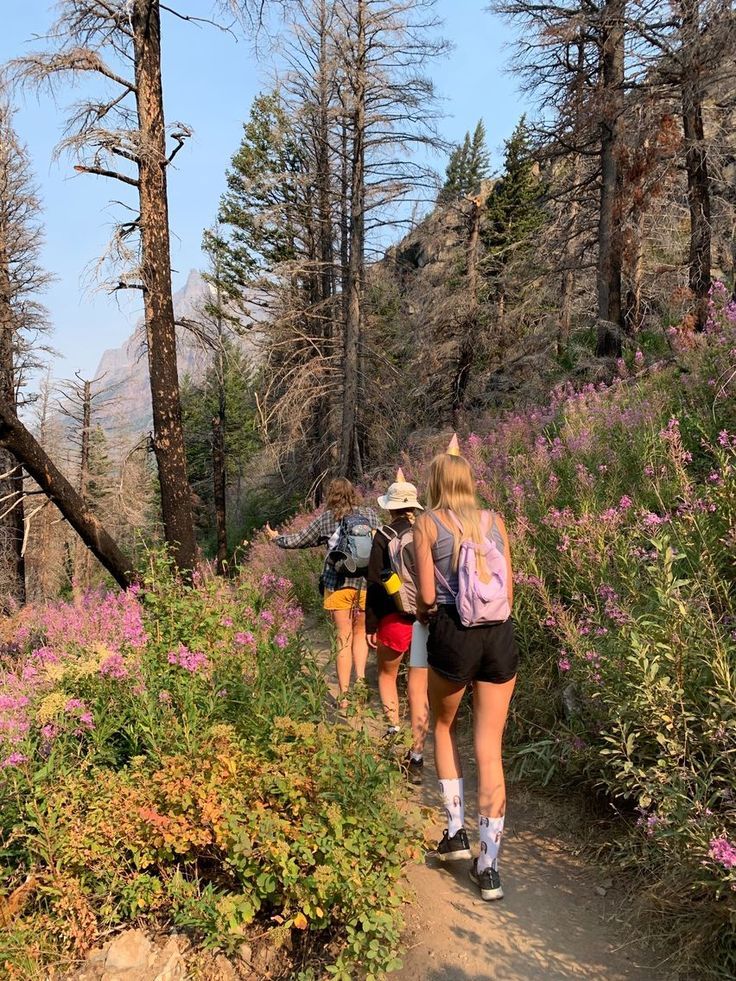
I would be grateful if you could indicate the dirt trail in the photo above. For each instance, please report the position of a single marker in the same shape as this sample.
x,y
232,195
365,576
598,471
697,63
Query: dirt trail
x,y
558,918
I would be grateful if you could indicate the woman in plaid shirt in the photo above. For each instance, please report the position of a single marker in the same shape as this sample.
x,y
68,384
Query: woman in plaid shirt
x,y
344,596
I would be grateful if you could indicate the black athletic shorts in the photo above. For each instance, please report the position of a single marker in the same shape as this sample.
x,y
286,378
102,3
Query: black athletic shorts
x,y
465,654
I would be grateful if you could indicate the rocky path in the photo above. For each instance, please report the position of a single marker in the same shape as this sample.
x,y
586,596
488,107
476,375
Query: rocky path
x,y
559,918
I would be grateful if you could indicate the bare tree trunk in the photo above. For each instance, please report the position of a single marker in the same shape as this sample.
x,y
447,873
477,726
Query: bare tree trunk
x,y
168,439
219,486
469,327
609,237
564,325
12,563
696,166
351,365
636,314
323,423
81,564
15,438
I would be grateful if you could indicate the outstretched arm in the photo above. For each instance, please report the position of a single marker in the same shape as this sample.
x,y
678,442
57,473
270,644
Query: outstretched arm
x,y
317,532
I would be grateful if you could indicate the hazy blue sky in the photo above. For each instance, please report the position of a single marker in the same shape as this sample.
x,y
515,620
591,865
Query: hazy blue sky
x,y
209,82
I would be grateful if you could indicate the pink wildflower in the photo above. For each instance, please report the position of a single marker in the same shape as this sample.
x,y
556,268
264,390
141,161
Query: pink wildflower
x,y
564,664
723,852
281,640
191,661
244,638
114,667
15,759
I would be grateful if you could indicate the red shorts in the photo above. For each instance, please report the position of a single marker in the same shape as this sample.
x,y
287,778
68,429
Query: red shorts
x,y
394,632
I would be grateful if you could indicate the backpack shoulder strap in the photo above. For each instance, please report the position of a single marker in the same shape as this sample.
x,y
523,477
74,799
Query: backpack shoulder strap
x,y
388,532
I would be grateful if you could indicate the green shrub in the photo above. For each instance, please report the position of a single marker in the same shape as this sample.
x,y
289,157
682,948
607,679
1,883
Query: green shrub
x,y
171,762
621,507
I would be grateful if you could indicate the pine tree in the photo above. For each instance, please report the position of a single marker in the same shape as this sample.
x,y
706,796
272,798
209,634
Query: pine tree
x,y
513,220
258,208
201,403
478,158
468,166
514,213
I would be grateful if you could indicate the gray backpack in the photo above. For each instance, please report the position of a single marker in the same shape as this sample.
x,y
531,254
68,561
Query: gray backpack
x,y
403,562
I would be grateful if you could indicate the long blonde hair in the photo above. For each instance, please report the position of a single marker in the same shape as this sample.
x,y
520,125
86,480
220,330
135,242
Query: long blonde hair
x,y
341,497
451,487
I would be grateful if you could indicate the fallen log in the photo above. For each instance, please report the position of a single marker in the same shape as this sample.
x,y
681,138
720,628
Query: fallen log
x,y
28,451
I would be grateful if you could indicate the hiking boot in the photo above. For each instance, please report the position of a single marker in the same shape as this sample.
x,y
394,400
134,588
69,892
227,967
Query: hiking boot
x,y
488,881
414,769
453,849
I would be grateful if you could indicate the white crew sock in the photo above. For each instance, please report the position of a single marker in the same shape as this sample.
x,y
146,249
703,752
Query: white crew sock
x,y
491,832
417,757
452,794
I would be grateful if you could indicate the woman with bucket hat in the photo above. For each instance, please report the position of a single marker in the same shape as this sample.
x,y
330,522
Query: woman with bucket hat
x,y
390,617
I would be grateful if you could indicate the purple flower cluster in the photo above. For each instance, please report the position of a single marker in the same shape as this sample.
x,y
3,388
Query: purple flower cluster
x,y
723,852
191,661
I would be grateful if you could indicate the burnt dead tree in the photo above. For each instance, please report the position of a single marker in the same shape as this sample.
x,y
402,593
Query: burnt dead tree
x,y
77,404
122,136
15,438
22,321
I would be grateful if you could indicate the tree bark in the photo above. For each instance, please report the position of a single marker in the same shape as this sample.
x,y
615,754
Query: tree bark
x,y
81,565
470,319
15,438
219,486
570,255
168,435
696,166
349,463
610,252
12,562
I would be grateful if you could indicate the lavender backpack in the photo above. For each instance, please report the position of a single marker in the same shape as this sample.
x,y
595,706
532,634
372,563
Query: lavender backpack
x,y
480,603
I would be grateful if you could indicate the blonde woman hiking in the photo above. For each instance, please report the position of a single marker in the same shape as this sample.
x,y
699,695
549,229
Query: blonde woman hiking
x,y
347,528
391,616
465,595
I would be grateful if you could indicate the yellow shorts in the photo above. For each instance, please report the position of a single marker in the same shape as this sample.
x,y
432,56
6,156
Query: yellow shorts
x,y
344,599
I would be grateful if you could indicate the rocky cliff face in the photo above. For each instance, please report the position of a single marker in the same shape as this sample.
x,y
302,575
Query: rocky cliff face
x,y
124,412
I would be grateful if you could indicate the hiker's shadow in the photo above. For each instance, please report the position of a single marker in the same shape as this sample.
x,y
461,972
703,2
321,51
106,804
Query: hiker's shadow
x,y
458,872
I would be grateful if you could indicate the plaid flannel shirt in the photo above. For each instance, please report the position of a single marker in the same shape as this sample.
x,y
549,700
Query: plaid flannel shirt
x,y
319,532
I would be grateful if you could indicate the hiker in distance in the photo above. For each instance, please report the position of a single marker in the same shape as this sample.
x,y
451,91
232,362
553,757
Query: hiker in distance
x,y
465,596
347,529
391,614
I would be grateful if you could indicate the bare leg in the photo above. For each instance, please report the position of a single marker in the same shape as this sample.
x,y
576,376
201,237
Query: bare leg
x,y
389,663
343,620
445,697
418,707
359,644
490,708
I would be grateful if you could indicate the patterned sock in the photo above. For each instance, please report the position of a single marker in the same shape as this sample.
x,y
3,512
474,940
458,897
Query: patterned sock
x,y
452,794
491,832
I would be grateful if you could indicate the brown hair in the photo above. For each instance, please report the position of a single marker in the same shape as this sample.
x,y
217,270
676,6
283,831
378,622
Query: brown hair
x,y
451,487
341,497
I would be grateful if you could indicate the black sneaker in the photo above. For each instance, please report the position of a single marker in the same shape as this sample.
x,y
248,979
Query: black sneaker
x,y
414,769
488,881
453,849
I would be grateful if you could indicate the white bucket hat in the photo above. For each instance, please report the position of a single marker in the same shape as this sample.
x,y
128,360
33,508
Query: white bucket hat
x,y
401,494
